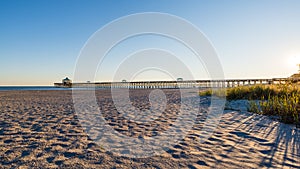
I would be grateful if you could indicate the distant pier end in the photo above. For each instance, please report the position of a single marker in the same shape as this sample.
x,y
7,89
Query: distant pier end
x,y
66,82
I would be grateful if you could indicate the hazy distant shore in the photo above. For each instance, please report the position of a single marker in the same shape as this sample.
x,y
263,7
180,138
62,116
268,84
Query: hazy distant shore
x,y
41,129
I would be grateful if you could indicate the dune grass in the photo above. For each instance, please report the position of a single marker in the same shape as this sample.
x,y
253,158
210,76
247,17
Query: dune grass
x,y
282,101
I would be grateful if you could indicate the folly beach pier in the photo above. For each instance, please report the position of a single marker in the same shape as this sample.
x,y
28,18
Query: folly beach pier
x,y
180,83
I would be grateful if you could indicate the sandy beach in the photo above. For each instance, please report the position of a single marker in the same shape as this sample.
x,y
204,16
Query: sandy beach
x,y
40,129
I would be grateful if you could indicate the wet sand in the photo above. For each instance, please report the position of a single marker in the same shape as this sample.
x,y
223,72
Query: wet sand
x,y
40,129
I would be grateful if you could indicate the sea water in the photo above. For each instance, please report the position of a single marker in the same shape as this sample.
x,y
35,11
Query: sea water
x,y
5,88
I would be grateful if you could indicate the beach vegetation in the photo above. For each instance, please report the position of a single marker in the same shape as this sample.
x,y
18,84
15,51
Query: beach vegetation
x,y
282,101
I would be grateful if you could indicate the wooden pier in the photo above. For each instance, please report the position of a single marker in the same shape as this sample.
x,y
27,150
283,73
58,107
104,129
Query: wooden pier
x,y
179,84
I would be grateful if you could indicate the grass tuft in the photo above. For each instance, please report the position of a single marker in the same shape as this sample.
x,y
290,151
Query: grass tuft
x,y
276,100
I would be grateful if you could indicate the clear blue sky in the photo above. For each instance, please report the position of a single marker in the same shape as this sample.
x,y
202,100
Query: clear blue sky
x,y
40,40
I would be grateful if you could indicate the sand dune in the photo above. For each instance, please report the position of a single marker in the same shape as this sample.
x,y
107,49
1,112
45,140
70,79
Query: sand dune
x,y
40,129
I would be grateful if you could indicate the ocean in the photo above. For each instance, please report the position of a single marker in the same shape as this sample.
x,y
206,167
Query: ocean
x,y
6,88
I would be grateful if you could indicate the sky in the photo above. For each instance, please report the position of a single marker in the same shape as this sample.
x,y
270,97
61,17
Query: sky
x,y
40,41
